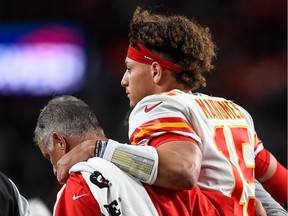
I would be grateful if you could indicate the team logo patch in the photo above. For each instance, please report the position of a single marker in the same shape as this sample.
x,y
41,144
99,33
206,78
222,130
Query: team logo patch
x,y
113,208
98,179
79,196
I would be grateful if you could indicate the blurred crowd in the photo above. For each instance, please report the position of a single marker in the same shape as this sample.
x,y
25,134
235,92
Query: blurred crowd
x,y
251,69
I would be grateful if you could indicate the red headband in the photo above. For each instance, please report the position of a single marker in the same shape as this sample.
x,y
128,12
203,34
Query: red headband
x,y
143,55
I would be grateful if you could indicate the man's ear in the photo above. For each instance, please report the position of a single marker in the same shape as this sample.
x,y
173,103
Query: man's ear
x,y
59,141
157,72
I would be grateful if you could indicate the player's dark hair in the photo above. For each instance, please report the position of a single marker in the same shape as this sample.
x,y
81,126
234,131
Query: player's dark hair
x,y
178,39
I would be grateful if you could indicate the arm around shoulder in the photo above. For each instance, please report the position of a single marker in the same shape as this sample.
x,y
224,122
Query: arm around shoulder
x,y
81,152
179,165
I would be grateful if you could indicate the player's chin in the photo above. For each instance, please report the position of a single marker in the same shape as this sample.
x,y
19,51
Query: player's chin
x,y
131,105
134,100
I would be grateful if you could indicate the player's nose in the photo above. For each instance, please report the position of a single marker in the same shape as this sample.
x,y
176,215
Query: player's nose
x,y
124,81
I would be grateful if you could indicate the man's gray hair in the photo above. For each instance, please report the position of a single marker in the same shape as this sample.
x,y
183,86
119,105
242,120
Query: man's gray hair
x,y
67,115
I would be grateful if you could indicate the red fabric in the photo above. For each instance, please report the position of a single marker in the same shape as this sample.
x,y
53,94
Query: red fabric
x,y
262,162
189,202
218,199
157,141
277,184
84,205
143,55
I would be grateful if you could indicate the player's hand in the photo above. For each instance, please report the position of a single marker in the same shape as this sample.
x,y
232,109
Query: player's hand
x,y
81,152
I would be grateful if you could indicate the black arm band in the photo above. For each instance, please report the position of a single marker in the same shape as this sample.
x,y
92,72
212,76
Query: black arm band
x,y
97,148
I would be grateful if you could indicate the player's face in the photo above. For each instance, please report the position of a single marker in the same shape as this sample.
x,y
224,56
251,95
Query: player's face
x,y
137,80
53,155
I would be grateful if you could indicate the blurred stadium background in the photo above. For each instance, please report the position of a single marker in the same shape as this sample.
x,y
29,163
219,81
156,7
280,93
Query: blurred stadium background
x,y
74,47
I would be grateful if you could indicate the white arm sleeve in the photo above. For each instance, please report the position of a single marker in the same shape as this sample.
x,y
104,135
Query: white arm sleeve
x,y
138,161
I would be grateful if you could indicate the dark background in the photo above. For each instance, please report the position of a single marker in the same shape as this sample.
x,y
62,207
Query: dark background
x,y
251,69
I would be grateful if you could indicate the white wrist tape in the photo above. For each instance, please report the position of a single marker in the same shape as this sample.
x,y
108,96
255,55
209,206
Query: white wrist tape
x,y
138,161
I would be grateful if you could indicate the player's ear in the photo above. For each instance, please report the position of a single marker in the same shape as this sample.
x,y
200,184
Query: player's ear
x,y
59,141
157,72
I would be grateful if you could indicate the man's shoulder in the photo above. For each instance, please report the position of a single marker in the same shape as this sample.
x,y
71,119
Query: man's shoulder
x,y
8,197
4,180
6,187
75,178
74,186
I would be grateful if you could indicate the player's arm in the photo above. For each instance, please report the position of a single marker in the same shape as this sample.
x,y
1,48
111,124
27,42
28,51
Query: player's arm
x,y
81,152
179,166
174,164
272,175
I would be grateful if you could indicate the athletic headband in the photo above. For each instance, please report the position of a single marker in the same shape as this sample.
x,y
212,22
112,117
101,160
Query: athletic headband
x,y
143,55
